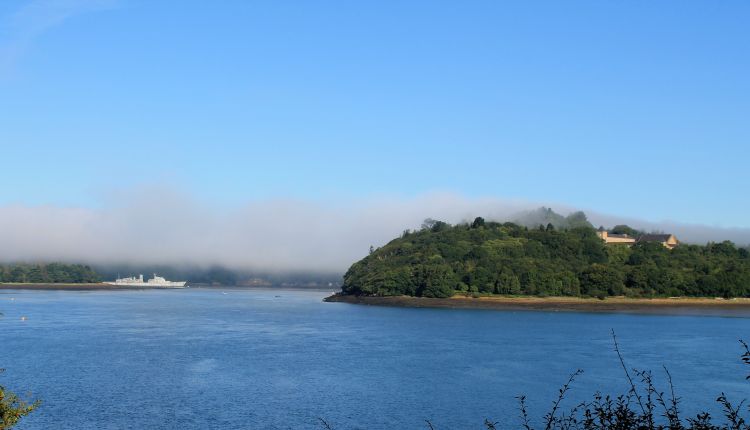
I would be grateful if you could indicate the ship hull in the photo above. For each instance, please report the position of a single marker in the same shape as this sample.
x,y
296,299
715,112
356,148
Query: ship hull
x,y
147,285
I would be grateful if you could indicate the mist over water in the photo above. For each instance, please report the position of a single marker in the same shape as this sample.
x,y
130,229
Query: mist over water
x,y
164,226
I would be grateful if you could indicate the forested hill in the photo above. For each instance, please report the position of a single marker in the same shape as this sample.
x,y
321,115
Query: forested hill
x,y
487,257
48,273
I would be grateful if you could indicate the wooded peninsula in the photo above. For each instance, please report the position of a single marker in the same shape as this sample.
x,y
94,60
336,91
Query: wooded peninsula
x,y
562,258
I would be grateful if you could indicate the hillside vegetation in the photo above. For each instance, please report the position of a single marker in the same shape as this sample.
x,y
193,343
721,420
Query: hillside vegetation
x,y
440,260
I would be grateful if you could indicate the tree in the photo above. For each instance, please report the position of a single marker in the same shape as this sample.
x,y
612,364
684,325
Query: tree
x,y
436,281
600,280
726,248
428,223
578,219
13,408
508,283
625,229
478,222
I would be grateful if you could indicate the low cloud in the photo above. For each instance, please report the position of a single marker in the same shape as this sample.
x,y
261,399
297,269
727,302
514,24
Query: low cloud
x,y
167,227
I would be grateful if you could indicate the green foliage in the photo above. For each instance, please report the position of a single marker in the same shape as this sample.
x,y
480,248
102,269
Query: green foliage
x,y
478,222
491,258
545,216
600,280
13,408
618,253
48,273
625,229
577,220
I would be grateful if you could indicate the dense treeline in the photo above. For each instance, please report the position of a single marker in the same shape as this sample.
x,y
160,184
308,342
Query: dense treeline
x,y
47,273
492,258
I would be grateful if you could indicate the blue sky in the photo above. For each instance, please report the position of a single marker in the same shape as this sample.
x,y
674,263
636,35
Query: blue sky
x,y
640,109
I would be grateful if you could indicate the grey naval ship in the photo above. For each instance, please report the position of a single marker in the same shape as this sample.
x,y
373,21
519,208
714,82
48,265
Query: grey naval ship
x,y
155,282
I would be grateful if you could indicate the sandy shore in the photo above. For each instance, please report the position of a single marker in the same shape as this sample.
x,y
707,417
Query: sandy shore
x,y
739,307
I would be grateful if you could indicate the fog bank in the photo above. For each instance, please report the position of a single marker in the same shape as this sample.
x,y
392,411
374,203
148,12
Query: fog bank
x,y
272,235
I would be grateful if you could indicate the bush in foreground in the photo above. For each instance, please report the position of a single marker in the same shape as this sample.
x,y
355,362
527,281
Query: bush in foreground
x,y
13,408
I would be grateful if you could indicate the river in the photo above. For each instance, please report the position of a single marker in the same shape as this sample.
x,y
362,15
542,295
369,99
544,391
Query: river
x,y
231,358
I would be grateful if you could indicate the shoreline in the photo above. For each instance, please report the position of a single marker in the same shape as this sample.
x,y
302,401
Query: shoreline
x,y
738,307
63,286
101,286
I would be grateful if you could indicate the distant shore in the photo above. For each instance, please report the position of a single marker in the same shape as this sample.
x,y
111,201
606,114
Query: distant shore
x,y
63,286
104,286
673,306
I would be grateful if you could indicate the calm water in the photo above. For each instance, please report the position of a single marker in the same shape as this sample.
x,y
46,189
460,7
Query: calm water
x,y
202,358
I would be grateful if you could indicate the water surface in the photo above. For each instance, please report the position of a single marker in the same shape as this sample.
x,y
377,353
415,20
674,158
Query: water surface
x,y
279,359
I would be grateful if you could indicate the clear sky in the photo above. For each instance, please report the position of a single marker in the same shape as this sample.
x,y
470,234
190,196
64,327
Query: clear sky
x,y
633,108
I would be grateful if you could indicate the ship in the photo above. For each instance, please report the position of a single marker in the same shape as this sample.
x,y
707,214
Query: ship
x,y
155,282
